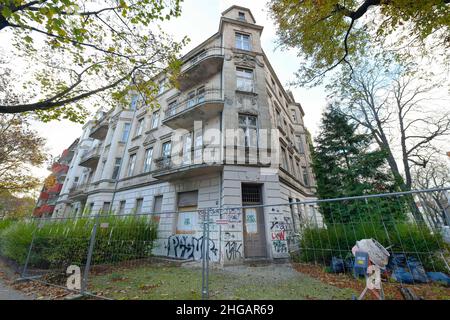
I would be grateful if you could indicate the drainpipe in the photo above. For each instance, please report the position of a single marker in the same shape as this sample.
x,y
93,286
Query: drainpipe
x,y
220,189
121,162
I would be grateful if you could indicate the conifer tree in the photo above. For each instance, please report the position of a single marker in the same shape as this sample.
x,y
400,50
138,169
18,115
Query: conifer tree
x,y
346,164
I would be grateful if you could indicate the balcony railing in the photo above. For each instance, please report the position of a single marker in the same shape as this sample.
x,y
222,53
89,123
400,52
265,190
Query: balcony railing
x,y
100,129
46,209
203,55
208,96
91,157
78,190
201,67
59,168
43,195
55,189
185,164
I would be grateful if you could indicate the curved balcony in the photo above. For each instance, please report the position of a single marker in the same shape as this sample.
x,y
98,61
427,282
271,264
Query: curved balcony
x,y
90,158
201,67
199,107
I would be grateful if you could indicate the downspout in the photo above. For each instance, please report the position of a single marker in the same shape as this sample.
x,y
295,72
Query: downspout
x,y
121,161
221,152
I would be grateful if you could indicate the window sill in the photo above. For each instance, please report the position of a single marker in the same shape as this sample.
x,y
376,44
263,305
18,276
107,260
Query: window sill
x,y
151,130
250,93
136,137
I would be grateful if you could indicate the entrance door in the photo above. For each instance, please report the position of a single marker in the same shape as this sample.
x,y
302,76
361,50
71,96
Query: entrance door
x,y
253,219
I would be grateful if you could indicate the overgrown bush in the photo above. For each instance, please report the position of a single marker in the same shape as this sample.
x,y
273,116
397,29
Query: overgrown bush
x,y
320,244
64,242
5,223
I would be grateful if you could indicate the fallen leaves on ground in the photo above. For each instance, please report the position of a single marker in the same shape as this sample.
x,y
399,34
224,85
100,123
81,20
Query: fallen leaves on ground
x,y
391,290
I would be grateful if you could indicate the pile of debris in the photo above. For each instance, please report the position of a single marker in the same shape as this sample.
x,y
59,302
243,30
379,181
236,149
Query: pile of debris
x,y
396,266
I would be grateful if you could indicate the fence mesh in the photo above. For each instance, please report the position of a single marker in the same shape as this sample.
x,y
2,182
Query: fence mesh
x,y
297,250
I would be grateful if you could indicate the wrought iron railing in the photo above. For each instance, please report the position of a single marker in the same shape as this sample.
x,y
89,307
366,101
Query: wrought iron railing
x,y
208,52
96,151
194,157
209,95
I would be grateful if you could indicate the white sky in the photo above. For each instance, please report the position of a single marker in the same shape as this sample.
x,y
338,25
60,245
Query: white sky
x,y
199,20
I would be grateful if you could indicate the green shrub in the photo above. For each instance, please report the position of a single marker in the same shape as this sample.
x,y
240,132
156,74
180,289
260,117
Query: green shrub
x,y
5,223
320,245
64,242
15,240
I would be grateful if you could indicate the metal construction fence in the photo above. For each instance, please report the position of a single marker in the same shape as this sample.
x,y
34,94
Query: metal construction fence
x,y
247,252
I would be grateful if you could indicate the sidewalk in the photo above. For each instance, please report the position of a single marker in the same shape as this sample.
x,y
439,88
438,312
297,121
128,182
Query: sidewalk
x,y
7,293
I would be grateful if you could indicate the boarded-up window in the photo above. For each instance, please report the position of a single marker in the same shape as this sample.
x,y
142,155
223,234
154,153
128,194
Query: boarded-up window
x,y
187,199
105,208
187,215
139,202
157,205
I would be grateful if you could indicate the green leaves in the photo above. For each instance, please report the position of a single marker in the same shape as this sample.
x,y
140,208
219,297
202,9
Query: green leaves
x,y
6,12
87,52
323,32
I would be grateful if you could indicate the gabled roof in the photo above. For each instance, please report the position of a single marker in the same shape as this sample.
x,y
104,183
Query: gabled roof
x,y
240,8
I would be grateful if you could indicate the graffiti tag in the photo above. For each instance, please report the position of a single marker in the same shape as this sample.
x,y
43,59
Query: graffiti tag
x,y
233,250
189,247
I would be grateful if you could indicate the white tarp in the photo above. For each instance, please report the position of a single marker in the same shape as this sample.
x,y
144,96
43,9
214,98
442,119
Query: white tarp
x,y
377,253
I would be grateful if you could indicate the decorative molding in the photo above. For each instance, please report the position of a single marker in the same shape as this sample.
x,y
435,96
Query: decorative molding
x,y
246,60
149,139
251,111
133,149
246,102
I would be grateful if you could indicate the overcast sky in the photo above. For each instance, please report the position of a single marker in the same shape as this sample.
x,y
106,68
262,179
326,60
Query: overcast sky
x,y
199,20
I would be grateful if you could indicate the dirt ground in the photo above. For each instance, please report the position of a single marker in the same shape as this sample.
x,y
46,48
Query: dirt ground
x,y
284,275
391,290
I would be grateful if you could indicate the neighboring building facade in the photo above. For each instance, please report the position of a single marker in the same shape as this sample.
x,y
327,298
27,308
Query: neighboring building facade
x,y
173,159
53,183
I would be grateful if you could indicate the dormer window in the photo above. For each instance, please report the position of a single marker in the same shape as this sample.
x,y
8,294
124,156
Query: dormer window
x,y
241,16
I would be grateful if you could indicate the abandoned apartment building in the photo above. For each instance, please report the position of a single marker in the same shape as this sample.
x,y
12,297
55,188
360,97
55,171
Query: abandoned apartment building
x,y
125,161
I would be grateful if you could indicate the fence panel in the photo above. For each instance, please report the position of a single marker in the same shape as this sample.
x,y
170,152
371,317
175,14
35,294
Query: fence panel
x,y
296,250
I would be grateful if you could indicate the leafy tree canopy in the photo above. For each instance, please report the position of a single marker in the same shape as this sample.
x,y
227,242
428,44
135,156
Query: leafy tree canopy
x,y
73,50
329,33
20,149
13,207
345,164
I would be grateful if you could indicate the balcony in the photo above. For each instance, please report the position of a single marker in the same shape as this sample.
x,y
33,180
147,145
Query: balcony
x,y
185,167
100,129
200,67
90,158
78,192
67,155
52,201
55,189
45,209
59,169
199,107
43,195
37,212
